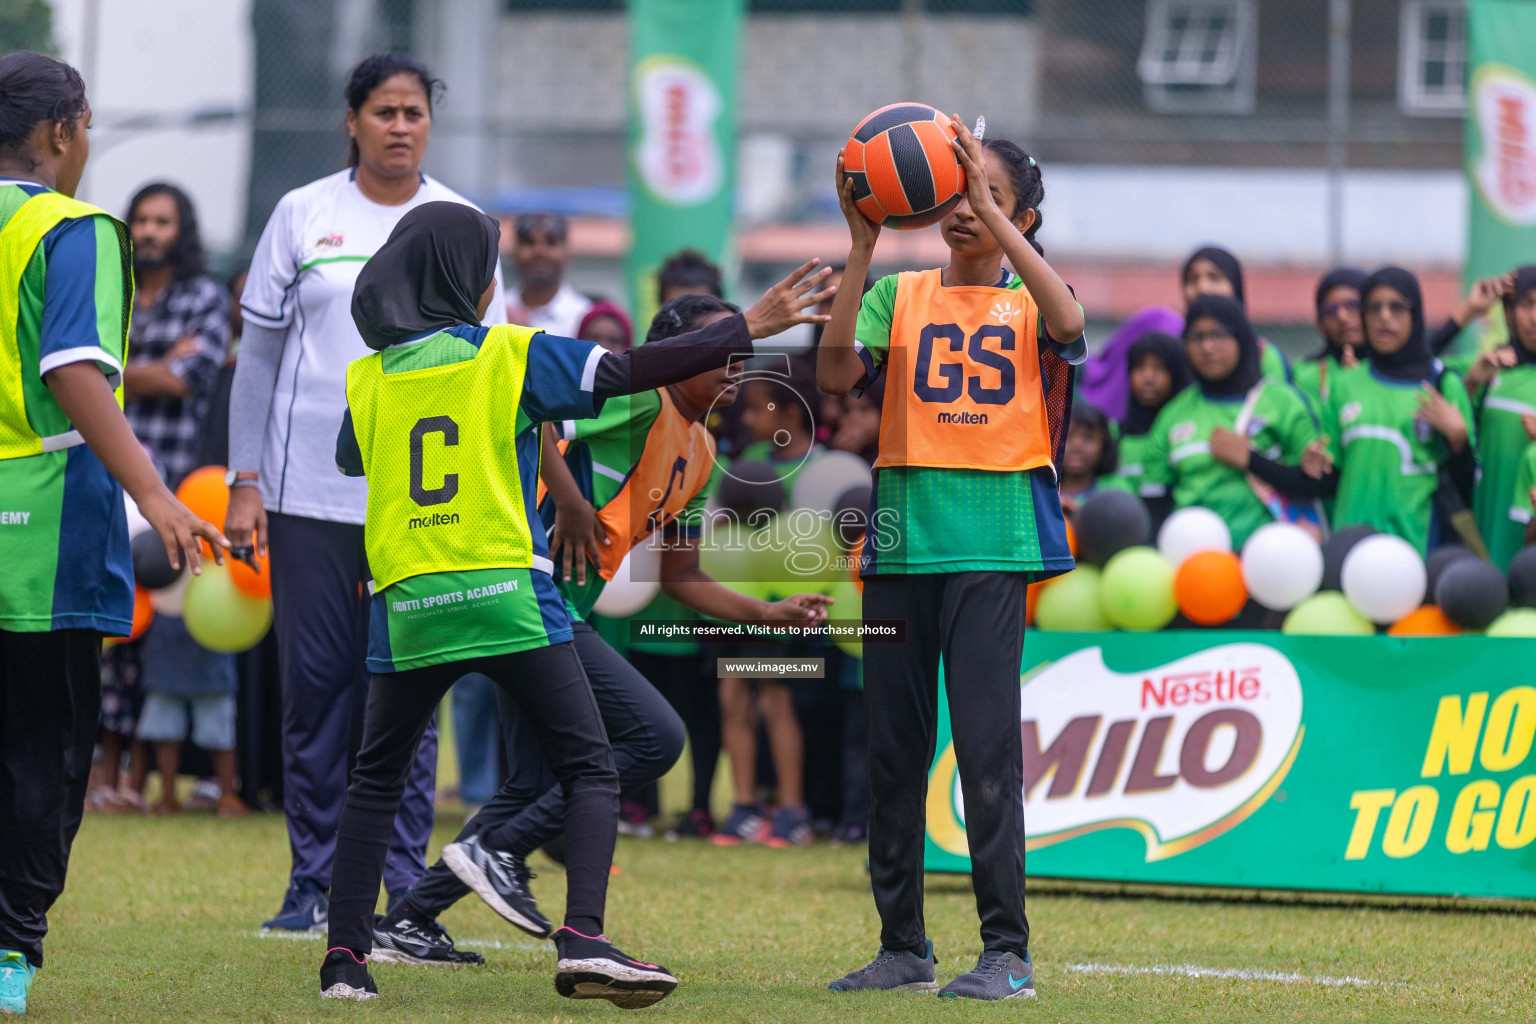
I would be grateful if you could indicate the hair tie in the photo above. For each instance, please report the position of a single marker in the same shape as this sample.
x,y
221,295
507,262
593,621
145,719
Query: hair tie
x,y
1031,161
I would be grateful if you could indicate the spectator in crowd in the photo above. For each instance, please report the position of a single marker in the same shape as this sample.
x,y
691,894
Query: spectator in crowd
x,y
1503,383
858,423
1395,429
1209,439
1157,369
1338,321
1088,456
540,254
1212,270
607,325
288,398
688,272
177,346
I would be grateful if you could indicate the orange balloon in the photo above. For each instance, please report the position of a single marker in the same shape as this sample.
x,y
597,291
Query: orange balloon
x,y
247,580
1071,538
857,554
205,493
1426,621
1209,587
143,613
1031,598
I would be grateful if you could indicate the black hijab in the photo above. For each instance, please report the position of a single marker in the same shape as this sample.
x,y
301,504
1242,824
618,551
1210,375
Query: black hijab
x,y
1414,361
429,275
1231,316
1525,281
1225,262
1341,277
1138,417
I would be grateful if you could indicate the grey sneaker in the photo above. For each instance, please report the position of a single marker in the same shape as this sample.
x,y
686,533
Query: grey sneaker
x,y
892,971
997,975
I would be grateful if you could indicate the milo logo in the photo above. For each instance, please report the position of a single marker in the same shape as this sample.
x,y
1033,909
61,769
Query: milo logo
x,y
1179,754
677,153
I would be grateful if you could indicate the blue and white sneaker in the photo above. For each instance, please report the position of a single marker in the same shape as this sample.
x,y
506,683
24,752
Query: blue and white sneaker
x,y
16,976
306,908
892,970
997,975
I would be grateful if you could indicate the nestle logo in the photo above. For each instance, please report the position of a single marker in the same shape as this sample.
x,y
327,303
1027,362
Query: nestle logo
x,y
963,418
1201,687
435,519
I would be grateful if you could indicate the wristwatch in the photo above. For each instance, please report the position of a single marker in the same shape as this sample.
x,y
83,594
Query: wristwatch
x,y
239,478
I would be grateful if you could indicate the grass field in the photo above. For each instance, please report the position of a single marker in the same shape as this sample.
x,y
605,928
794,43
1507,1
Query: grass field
x,y
161,922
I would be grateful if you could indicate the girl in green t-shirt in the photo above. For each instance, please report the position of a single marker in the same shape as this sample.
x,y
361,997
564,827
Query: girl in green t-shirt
x,y
1212,270
1338,321
1158,369
1504,382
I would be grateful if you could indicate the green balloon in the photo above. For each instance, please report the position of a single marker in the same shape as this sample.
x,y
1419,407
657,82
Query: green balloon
x,y
725,554
1517,622
847,607
219,616
1136,590
1327,614
1071,604
797,553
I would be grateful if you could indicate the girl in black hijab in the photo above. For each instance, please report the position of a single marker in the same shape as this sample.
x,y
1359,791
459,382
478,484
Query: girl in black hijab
x,y
1212,270
1506,419
1208,439
1337,302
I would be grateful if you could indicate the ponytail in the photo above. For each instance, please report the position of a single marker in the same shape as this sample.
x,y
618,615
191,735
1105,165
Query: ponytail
x,y
33,90
1028,185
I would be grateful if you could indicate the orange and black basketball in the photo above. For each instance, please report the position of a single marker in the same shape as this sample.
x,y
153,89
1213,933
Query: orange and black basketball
x,y
905,175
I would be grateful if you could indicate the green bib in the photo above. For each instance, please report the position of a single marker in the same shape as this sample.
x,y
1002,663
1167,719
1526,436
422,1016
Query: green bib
x,y
439,449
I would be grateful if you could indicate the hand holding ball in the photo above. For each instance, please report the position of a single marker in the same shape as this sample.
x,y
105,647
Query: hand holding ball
x,y
905,173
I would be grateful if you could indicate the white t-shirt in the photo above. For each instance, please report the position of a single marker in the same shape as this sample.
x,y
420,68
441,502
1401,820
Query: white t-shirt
x,y
560,316
301,278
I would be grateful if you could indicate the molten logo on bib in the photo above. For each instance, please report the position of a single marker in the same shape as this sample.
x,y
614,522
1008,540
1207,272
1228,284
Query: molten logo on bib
x,y
1180,753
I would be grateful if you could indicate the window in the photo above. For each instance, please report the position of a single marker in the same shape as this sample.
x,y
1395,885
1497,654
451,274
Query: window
x,y
1199,56
1432,57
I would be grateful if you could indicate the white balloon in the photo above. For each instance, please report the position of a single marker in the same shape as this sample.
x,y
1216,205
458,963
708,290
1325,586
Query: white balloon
x,y
168,600
1190,531
1384,578
1282,566
635,582
826,478
137,524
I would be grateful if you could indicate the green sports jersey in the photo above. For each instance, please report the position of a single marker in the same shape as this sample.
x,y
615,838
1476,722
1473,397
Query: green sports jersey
x,y
1133,464
767,451
1501,443
1178,458
1525,479
1272,362
927,519
432,618
63,531
1388,463
1314,377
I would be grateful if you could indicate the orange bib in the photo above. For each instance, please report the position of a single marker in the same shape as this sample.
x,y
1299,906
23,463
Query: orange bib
x,y
673,468
963,379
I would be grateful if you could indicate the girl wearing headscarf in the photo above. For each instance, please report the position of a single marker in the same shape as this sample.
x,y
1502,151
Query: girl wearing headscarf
x,y
1212,270
1338,320
1158,369
608,325
1506,408
443,421
1393,425
1208,439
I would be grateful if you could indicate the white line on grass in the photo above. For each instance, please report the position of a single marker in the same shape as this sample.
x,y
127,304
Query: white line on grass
x,y
1240,973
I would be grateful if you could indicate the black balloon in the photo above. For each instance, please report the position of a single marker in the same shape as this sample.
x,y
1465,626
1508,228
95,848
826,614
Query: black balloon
x,y
151,566
751,489
1335,548
1438,561
850,514
1108,523
1472,593
1522,578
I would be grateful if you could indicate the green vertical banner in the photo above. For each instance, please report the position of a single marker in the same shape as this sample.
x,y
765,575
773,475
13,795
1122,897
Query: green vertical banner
x,y
682,135
1501,136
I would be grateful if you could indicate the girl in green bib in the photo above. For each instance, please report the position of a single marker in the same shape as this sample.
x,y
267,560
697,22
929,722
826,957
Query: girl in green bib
x,y
1504,408
1233,424
1395,424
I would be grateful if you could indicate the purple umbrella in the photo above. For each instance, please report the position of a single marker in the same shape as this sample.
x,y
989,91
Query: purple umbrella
x,y
1105,377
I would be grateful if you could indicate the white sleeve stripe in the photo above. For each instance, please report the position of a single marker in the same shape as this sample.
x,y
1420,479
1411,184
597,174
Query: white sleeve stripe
x,y
567,430
79,354
261,319
858,346
589,370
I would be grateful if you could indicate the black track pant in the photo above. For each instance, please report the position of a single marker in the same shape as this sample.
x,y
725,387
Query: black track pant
x,y
975,620
50,697
528,810
551,691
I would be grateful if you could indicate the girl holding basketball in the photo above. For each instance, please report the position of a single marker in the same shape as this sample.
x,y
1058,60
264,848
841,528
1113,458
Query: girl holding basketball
x,y
978,361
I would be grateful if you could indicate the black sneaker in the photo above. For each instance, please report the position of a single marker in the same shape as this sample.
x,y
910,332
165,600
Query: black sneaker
x,y
591,968
500,879
403,939
893,970
696,824
344,976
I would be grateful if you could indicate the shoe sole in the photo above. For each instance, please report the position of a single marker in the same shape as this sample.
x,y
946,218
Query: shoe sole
x,y
460,863
396,956
341,990
911,986
1023,993
267,929
623,986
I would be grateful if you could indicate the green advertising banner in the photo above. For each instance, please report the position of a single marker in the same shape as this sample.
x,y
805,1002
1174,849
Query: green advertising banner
x,y
682,135
1259,760
1501,136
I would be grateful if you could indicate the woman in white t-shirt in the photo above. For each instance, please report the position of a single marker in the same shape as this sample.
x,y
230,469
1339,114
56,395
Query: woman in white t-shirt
x,y
285,408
